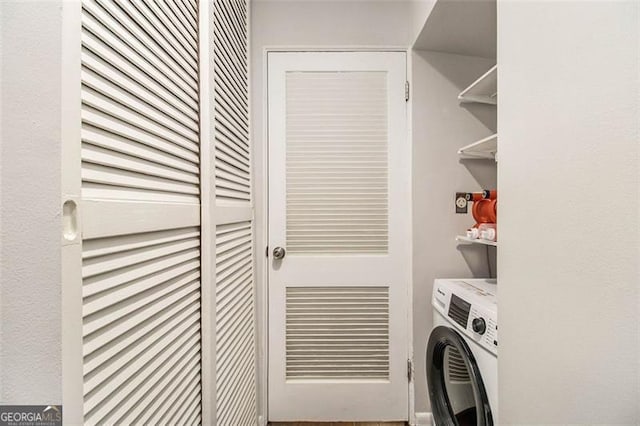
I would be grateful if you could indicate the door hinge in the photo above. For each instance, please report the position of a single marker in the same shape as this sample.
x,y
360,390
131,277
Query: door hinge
x,y
266,251
406,91
410,370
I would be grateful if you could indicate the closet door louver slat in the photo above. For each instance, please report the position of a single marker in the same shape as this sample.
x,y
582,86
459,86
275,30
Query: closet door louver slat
x,y
231,114
140,153
235,304
235,340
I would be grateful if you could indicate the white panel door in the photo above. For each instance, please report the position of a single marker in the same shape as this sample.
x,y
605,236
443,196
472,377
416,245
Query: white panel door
x,y
339,206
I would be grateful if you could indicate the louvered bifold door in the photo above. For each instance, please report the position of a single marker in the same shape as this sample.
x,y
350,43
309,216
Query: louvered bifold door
x,y
140,212
234,299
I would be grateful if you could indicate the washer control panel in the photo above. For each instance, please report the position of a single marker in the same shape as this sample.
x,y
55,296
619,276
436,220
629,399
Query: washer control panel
x,y
472,308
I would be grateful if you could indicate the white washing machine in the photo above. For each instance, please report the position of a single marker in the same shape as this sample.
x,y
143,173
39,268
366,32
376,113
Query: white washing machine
x,y
462,353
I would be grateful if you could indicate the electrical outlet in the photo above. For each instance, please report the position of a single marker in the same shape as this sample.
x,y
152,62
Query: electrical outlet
x,y
462,204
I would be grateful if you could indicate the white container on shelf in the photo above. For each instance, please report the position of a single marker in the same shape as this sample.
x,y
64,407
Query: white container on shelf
x,y
488,232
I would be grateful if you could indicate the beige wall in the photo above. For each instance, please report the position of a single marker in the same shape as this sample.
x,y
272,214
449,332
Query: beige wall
x,y
30,301
568,121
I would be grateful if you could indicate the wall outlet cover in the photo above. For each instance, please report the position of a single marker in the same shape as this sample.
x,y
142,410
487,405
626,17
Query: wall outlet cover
x,y
461,203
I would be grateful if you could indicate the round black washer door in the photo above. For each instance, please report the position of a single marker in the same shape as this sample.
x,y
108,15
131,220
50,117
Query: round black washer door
x,y
442,337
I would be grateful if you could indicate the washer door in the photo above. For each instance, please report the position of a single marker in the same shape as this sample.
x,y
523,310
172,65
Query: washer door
x,y
456,389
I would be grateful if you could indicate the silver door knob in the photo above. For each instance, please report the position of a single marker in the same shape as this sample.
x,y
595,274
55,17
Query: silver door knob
x,y
279,253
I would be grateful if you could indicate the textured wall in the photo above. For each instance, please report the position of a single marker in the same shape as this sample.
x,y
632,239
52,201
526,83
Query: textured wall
x,y
30,349
568,121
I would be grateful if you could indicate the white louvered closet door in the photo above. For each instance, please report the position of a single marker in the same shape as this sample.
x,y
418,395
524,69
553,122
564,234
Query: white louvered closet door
x,y
339,205
138,190
234,255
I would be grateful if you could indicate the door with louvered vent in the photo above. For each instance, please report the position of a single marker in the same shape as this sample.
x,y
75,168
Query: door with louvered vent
x,y
339,206
133,184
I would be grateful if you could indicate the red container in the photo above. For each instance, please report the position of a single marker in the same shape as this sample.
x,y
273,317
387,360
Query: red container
x,y
485,211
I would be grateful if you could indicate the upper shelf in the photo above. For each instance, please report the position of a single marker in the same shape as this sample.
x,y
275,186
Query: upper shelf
x,y
486,148
463,27
484,90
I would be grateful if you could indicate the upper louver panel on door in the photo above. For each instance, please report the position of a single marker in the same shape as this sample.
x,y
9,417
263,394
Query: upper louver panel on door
x,y
140,129
231,107
336,162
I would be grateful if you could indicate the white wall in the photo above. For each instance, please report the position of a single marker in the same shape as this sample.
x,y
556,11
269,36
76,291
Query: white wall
x,y
310,24
441,125
568,122
30,348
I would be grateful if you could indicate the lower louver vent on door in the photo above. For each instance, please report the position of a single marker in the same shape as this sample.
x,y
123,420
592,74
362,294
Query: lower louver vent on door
x,y
337,333
141,328
235,339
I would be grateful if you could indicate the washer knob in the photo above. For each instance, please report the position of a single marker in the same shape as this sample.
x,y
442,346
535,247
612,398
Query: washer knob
x,y
479,325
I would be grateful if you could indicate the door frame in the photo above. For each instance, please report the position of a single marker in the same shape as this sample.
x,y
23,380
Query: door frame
x,y
71,246
261,205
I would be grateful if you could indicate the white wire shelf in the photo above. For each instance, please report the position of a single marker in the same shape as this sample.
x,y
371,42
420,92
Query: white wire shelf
x,y
484,90
467,240
486,148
